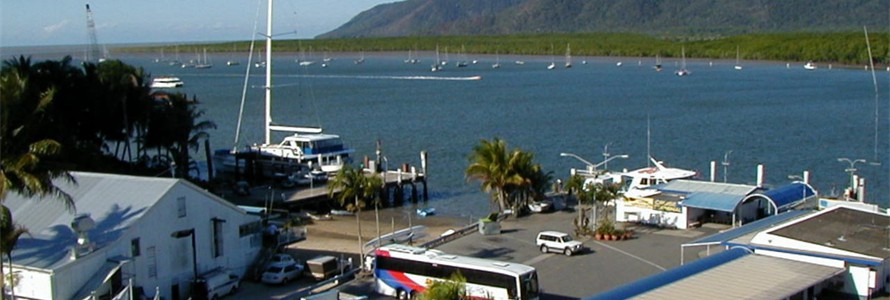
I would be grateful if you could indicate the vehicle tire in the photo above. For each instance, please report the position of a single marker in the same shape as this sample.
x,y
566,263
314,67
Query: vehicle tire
x,y
402,294
568,252
544,249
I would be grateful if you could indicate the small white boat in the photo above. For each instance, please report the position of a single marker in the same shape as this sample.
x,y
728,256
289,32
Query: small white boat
x,y
166,82
683,71
427,211
809,66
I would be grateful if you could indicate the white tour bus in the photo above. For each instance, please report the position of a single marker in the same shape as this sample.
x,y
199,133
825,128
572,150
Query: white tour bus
x,y
406,271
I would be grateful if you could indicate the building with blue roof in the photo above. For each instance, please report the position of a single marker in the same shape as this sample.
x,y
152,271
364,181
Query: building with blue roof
x,y
689,203
127,229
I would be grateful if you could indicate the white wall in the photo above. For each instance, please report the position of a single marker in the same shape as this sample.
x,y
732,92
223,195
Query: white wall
x,y
35,284
174,256
650,216
173,259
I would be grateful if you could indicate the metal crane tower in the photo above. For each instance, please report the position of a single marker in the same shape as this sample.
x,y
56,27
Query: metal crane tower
x,y
93,48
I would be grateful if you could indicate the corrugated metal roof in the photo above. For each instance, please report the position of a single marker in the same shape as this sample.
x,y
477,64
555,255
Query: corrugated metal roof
x,y
114,202
749,277
697,186
789,195
672,276
748,228
714,201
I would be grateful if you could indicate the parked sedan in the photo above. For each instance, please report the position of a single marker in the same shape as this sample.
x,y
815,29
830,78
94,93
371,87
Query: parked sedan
x,y
541,206
281,259
278,274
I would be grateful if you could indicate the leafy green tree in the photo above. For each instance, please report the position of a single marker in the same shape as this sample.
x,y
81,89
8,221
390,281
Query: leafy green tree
x,y
453,288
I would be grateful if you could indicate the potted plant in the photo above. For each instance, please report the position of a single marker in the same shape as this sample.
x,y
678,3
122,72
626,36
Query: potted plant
x,y
604,230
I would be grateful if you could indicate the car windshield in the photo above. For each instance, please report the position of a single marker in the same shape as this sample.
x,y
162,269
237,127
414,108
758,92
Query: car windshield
x,y
566,238
280,258
274,270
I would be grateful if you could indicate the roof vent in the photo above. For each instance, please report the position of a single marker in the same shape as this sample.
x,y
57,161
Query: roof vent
x,y
81,225
500,264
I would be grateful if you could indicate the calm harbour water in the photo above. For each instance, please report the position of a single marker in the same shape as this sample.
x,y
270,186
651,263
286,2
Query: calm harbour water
x,y
786,118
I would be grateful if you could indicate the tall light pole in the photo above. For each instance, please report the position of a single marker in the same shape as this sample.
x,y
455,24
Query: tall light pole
x,y
184,233
851,169
725,164
606,155
591,167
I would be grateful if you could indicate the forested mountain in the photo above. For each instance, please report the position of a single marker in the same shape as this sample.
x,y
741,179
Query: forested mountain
x,y
686,18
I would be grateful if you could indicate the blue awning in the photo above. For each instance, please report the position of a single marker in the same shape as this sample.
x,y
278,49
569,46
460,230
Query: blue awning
x,y
787,196
713,201
652,282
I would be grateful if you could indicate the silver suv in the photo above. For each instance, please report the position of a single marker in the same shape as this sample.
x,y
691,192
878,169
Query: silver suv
x,y
558,241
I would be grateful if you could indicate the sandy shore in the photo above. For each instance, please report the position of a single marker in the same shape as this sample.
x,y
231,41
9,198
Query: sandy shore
x,y
340,233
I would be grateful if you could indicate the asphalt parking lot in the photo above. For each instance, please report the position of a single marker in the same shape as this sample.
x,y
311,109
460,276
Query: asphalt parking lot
x,y
603,265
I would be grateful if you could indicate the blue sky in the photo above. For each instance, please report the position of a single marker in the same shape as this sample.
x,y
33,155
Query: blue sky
x,y
63,22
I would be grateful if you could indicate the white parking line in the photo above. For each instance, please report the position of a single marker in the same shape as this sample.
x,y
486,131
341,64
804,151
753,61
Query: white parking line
x,y
631,255
536,259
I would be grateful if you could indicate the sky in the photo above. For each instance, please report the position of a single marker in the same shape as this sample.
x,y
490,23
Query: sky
x,y
64,22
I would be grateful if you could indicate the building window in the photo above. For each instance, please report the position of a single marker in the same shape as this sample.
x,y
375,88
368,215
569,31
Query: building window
x,y
134,247
218,237
152,262
180,206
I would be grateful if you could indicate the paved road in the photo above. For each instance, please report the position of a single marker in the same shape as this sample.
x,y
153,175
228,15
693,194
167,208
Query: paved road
x,y
605,265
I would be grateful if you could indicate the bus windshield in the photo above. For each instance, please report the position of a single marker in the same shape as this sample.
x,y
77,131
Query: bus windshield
x,y
530,286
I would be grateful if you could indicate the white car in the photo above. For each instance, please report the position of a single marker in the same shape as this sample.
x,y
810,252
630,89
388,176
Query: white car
x,y
281,259
540,206
282,274
558,241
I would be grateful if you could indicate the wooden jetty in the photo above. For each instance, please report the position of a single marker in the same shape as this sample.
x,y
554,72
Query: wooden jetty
x,y
396,184
400,184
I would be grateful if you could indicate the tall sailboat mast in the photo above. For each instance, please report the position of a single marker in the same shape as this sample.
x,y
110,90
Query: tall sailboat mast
x,y
268,74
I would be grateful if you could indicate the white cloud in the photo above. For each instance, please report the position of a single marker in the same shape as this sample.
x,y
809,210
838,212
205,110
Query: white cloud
x,y
55,27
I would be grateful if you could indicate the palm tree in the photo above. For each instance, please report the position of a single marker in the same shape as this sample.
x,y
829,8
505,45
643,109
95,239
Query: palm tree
x,y
351,184
491,165
604,193
375,184
10,237
27,159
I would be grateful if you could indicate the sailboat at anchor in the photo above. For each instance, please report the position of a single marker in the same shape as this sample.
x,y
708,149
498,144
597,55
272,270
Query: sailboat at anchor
x,y
305,148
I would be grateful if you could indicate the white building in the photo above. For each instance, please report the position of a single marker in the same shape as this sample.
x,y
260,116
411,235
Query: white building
x,y
845,237
687,203
842,252
122,232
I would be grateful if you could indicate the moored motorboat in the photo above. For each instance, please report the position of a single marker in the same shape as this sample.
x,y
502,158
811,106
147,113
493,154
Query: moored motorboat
x,y
166,82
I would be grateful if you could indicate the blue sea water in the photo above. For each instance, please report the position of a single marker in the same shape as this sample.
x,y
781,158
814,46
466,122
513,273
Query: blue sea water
x,y
782,116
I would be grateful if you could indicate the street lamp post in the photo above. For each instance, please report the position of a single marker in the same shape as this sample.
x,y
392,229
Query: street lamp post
x,y
851,170
184,233
606,155
725,164
591,167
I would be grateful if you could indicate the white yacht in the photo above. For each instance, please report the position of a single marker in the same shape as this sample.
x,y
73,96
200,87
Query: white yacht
x,y
166,82
636,183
